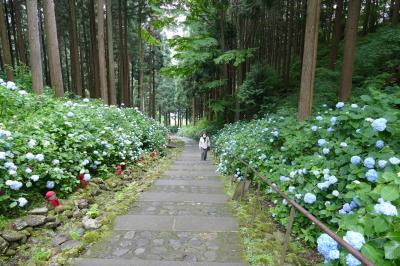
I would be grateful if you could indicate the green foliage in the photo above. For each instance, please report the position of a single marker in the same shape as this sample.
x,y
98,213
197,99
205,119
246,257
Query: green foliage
x,y
235,56
51,142
261,85
93,211
148,38
40,255
201,126
285,151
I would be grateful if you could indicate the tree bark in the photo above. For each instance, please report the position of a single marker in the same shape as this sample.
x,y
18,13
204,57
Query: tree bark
x,y
309,59
52,44
35,56
93,55
74,51
7,59
395,15
20,36
110,42
102,52
141,60
349,49
337,30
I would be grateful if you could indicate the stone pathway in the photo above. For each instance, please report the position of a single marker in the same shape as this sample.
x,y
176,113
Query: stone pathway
x,y
182,220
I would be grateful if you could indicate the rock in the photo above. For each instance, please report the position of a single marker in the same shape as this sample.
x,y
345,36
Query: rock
x,y
89,223
19,224
59,239
10,252
52,225
279,236
3,246
120,252
139,251
103,187
76,213
12,236
70,244
39,211
210,255
50,219
129,235
83,203
35,220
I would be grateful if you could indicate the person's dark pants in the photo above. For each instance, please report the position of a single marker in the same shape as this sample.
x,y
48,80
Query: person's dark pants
x,y
203,154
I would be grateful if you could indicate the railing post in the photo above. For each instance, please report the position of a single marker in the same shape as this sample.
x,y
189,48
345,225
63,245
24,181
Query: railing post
x,y
287,235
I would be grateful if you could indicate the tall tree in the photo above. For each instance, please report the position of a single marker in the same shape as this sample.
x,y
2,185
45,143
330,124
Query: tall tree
x,y
102,52
395,15
349,49
93,55
74,51
53,49
20,36
111,73
309,59
7,58
337,31
35,56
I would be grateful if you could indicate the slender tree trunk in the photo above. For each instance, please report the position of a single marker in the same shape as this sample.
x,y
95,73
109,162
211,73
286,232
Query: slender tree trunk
x,y
395,15
367,15
110,42
7,59
43,46
35,56
153,84
102,51
309,59
10,32
20,36
52,44
74,51
67,75
126,56
141,60
349,50
337,30
93,56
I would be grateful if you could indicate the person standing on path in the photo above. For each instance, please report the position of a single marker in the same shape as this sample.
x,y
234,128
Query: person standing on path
x,y
204,145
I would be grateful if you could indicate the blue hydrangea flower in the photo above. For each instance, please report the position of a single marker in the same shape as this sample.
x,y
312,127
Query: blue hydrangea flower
x,y
327,247
385,208
355,239
339,105
382,163
354,105
346,207
262,157
369,162
380,144
314,128
371,175
355,159
343,144
330,129
332,179
352,261
283,178
325,151
14,184
394,160
379,124
323,185
50,184
321,142
334,254
319,118
291,189
333,120
309,198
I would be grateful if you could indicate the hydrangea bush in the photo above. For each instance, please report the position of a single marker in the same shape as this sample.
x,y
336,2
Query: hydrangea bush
x,y
46,143
343,165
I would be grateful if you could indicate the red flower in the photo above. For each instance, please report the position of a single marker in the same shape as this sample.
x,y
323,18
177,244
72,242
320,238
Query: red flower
x,y
118,169
83,182
152,154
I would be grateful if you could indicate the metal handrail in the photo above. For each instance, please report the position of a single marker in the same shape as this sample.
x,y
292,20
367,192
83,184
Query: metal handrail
x,y
310,217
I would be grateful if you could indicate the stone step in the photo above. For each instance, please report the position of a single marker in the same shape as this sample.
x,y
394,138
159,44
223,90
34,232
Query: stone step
x,y
187,189
179,182
176,223
184,197
191,168
181,208
169,246
122,262
190,173
183,176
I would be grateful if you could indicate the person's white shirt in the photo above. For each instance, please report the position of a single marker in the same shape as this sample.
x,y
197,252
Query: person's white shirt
x,y
204,144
